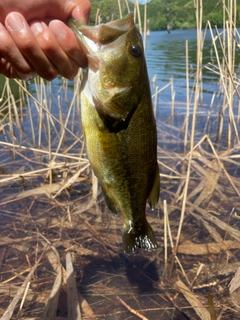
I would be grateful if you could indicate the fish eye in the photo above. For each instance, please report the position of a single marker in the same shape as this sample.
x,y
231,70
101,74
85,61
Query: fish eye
x,y
135,50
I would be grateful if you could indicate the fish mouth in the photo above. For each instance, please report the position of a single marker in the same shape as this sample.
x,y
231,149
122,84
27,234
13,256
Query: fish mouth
x,y
92,38
103,33
88,46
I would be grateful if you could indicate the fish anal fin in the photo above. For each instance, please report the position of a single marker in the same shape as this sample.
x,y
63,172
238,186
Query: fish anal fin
x,y
143,237
154,193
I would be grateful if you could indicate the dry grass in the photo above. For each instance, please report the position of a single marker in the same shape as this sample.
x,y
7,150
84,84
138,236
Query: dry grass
x,y
48,205
57,235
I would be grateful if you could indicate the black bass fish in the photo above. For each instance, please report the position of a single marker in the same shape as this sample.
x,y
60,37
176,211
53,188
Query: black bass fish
x,y
118,124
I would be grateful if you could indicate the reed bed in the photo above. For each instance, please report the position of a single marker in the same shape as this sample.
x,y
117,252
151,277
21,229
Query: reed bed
x,y
61,250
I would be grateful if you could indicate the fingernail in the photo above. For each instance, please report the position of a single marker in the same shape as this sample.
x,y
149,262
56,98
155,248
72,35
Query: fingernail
x,y
83,16
58,28
26,77
73,75
14,21
36,27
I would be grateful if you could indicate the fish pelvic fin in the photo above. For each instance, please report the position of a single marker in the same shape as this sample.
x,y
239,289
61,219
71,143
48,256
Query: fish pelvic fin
x,y
142,237
154,193
110,203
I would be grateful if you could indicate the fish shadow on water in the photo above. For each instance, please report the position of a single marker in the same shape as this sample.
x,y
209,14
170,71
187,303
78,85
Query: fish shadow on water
x,y
134,278
142,272
134,272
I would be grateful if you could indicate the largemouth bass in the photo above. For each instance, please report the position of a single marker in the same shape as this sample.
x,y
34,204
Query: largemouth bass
x,y
118,124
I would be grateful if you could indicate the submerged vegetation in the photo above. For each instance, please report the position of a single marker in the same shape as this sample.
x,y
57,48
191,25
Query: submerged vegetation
x,y
61,250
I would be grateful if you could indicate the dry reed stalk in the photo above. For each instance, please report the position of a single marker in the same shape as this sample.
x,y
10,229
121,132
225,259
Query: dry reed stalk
x,y
177,174
165,233
222,167
64,126
120,8
167,226
137,14
36,84
22,301
49,135
197,275
44,108
226,68
198,6
53,256
18,275
230,67
199,308
74,311
16,116
187,101
97,18
21,103
41,119
72,180
209,113
220,163
45,170
213,219
10,309
145,25
31,124
138,314
11,123
67,156
169,231
4,107
230,85
173,93
155,102
64,88
127,5
161,89
191,248
4,89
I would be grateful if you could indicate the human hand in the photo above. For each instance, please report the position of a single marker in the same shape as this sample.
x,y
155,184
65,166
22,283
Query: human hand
x,y
33,42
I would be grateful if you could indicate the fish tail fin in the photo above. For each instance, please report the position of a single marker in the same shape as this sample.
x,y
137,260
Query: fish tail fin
x,y
134,238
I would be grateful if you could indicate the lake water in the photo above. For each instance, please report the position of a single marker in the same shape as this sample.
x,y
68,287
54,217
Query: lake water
x,y
166,57
166,60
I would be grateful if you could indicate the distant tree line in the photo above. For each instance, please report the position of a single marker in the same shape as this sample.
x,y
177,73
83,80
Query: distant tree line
x,y
175,14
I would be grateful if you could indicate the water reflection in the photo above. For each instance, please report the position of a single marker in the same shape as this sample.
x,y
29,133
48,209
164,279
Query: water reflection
x,y
166,58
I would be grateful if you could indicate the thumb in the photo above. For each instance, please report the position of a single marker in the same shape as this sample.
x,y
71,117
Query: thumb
x,y
82,12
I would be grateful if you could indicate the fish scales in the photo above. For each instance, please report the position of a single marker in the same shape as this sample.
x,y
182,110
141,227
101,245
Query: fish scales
x,y
119,125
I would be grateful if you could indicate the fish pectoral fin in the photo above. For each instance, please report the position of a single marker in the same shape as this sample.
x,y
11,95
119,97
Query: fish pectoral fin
x,y
154,193
142,237
110,203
